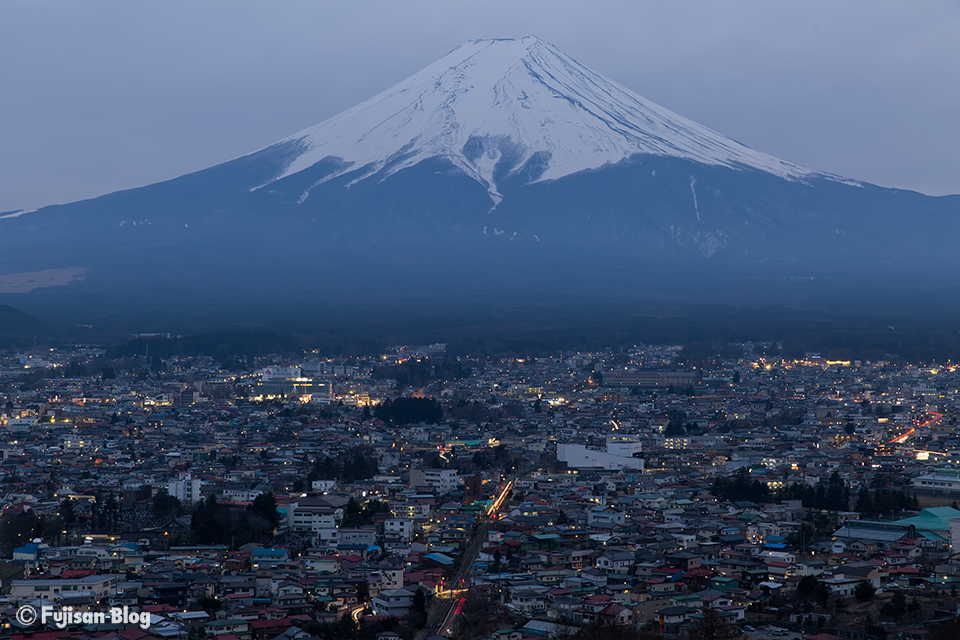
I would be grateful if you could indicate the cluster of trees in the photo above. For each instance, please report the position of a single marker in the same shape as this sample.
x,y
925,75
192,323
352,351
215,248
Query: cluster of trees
x,y
864,591
166,506
482,615
880,409
786,418
702,354
416,373
834,496
105,513
713,625
347,629
678,425
350,466
409,410
497,458
355,515
896,606
885,502
740,488
106,369
18,530
812,590
679,428
470,411
418,610
221,346
215,523
68,515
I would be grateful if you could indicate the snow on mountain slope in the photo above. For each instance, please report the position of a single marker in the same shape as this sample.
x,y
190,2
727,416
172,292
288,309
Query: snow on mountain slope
x,y
512,102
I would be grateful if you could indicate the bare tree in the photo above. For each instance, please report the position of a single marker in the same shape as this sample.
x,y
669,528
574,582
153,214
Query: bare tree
x,y
713,625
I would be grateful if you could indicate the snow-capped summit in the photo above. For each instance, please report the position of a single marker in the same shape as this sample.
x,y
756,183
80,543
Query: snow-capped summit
x,y
496,107
594,189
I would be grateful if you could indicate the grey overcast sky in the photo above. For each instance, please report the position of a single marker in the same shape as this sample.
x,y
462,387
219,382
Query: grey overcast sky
x,y
101,95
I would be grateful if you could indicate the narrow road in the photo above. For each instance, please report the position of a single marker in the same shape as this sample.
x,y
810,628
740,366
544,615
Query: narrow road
x,y
903,438
443,616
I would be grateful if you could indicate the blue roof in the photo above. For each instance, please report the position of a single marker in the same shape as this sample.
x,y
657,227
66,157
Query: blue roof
x,y
439,557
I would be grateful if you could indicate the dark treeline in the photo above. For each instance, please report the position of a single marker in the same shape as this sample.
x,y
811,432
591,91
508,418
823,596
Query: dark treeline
x,y
885,502
740,487
409,411
19,529
350,466
355,515
215,523
916,330
833,495
702,354
221,346
416,373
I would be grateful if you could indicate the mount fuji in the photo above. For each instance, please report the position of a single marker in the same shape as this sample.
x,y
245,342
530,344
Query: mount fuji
x,y
504,167
496,108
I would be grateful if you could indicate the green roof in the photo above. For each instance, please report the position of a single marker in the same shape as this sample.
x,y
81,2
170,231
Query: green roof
x,y
687,597
933,519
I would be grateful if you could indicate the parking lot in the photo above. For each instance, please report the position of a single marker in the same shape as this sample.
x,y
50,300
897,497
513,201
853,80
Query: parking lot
x,y
767,633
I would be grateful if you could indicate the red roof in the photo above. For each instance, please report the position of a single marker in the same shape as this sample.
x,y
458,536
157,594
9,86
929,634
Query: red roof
x,y
47,635
77,573
597,599
612,610
267,624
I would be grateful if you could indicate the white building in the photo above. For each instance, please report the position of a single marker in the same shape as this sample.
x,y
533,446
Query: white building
x,y
98,586
411,510
313,518
605,515
619,454
393,602
400,528
237,493
623,446
443,480
279,373
185,488
391,579
942,481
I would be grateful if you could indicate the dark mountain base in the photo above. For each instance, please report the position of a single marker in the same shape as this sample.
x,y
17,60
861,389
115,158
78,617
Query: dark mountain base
x,y
841,319
654,250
